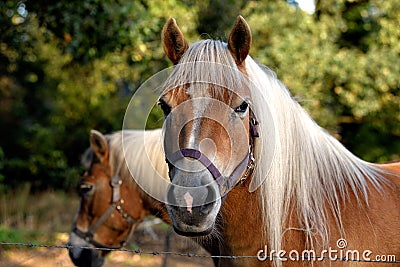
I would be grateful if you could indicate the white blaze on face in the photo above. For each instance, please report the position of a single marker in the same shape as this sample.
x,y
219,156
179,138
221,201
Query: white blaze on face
x,y
200,103
189,201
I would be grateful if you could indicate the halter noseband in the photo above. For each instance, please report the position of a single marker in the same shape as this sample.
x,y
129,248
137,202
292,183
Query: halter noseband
x,y
116,202
246,166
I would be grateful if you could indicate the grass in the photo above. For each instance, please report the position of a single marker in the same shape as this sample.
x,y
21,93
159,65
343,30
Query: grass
x,y
30,218
46,218
18,235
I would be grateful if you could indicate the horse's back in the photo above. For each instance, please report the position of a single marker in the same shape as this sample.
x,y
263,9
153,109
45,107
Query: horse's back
x,y
375,225
371,227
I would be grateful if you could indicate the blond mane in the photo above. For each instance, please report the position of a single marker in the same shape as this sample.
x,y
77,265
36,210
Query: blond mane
x,y
310,169
140,156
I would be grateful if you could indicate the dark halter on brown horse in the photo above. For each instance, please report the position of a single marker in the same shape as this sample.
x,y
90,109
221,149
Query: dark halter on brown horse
x,y
102,221
116,200
238,176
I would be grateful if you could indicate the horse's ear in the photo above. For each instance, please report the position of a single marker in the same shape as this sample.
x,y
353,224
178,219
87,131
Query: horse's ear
x,y
240,40
99,145
173,41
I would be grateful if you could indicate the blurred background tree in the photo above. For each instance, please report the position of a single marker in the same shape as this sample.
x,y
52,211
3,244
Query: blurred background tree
x,y
340,63
215,17
69,66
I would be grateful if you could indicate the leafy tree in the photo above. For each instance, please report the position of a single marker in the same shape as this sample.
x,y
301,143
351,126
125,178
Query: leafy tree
x,y
340,64
70,67
215,18
21,80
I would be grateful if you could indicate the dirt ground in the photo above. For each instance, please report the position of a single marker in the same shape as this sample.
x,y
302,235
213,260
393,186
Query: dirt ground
x,y
145,239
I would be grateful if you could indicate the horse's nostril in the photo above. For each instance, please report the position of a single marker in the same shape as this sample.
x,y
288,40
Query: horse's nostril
x,y
211,195
206,208
210,200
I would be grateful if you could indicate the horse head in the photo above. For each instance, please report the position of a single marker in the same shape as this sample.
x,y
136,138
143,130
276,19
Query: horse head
x,y
209,126
110,205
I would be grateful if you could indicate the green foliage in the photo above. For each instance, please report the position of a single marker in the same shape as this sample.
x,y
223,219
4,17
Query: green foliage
x,y
215,17
340,63
68,67
110,25
2,163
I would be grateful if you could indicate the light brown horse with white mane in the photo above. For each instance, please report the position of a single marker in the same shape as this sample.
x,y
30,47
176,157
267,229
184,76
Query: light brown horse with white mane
x,y
112,203
306,193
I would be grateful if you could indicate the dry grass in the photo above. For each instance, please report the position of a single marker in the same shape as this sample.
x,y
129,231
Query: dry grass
x,y
46,218
47,212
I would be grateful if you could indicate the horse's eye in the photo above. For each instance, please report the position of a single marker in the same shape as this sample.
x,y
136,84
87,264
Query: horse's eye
x,y
164,106
242,108
85,189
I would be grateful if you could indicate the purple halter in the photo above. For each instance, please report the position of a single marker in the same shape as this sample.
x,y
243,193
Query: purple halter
x,y
234,179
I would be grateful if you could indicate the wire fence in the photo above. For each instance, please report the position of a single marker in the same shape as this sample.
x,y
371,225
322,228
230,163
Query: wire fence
x,y
188,255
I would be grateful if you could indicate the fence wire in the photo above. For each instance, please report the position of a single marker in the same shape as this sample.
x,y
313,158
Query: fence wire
x,y
189,255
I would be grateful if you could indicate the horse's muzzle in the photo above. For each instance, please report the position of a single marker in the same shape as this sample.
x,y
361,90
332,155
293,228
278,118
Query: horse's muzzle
x,y
193,202
81,255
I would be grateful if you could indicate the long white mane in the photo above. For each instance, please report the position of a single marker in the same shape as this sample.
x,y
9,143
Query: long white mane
x,y
311,171
140,156
298,164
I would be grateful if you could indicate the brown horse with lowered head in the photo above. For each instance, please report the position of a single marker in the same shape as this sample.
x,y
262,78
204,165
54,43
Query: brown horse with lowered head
x,y
112,204
247,164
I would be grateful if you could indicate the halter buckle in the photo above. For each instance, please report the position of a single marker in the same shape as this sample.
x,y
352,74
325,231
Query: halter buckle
x,y
116,181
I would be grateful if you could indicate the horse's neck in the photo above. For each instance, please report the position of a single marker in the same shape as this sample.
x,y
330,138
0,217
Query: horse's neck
x,y
240,224
242,231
